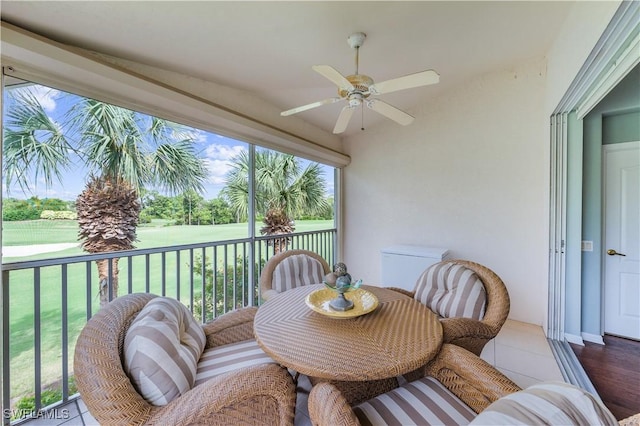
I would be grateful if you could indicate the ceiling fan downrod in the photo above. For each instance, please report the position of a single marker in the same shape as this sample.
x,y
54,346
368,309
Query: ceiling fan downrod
x,y
356,40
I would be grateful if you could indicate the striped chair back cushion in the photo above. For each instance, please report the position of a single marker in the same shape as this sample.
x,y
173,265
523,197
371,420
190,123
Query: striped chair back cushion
x,y
452,291
421,402
222,359
549,403
161,350
296,271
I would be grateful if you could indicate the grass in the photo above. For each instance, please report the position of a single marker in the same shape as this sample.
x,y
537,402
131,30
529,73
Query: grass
x,y
156,234
22,294
29,232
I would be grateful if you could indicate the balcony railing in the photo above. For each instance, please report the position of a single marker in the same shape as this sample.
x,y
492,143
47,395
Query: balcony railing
x,y
45,303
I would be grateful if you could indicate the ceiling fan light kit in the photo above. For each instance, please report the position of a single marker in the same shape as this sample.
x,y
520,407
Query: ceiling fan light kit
x,y
357,88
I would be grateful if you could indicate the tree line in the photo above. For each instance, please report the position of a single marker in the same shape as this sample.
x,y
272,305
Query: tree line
x,y
189,208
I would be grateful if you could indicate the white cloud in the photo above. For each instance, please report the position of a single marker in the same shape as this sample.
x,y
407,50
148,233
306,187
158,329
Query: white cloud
x,y
223,152
217,160
198,136
217,170
45,95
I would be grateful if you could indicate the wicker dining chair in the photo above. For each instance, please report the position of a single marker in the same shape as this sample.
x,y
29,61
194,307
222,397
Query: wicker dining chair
x,y
290,269
459,388
470,327
257,394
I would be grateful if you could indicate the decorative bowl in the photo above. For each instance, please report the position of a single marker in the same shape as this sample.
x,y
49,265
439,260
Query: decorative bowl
x,y
363,302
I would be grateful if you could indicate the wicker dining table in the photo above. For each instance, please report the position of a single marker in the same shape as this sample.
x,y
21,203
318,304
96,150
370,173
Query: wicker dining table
x,y
398,337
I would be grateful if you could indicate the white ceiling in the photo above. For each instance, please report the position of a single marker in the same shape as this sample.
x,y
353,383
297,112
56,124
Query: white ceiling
x,y
267,48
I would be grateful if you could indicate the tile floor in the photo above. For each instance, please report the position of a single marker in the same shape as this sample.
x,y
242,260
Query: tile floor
x,y
520,351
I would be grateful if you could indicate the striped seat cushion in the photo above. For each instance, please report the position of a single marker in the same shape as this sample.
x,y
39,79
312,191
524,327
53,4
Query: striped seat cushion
x,y
161,350
222,359
548,403
421,402
452,291
296,271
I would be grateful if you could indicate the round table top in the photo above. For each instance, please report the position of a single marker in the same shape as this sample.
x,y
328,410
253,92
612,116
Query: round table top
x,y
400,336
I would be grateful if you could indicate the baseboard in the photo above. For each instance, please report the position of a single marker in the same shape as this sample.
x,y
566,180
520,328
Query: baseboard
x,y
593,338
573,338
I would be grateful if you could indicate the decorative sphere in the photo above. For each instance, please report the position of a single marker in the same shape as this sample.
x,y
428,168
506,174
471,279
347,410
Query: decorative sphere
x,y
343,281
330,278
340,269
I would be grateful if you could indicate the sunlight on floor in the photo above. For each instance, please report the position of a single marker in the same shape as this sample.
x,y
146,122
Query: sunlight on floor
x,y
521,352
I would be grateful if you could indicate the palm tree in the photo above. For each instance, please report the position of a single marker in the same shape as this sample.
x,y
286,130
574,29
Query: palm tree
x,y
283,191
124,151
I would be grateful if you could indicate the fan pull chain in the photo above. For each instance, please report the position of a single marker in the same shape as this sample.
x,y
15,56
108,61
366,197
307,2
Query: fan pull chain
x,y
362,122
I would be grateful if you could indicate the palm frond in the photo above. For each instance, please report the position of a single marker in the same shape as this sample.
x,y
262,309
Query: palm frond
x,y
34,144
236,189
280,184
113,143
122,145
177,168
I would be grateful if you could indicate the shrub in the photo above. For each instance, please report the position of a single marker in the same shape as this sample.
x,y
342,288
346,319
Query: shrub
x,y
240,289
10,214
58,215
144,217
50,396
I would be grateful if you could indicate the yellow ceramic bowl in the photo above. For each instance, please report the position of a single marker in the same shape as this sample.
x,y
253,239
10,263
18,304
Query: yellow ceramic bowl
x,y
363,302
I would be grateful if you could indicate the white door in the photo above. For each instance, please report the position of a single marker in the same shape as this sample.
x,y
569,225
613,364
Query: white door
x,y
622,239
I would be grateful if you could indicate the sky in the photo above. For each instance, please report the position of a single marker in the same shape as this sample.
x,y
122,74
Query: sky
x,y
216,150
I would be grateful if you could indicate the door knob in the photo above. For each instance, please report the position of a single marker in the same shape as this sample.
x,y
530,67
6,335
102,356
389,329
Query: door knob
x,y
612,252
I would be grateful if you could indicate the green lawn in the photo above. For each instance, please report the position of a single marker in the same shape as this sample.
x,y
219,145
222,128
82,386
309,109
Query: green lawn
x,y
156,234
30,232
21,285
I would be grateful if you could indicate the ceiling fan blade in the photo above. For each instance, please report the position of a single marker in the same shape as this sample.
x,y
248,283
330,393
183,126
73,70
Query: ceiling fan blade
x,y
343,119
309,106
422,78
390,111
331,74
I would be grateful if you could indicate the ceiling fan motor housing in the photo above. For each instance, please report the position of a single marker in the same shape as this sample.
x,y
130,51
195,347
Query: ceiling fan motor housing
x,y
360,83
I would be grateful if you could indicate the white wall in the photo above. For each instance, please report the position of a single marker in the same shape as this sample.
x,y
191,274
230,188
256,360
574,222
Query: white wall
x,y
466,175
472,172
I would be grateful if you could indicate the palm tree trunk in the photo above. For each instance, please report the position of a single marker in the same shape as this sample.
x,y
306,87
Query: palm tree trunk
x,y
103,279
276,222
280,245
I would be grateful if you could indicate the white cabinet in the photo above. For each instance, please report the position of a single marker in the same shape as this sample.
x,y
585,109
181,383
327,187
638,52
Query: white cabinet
x,y
403,264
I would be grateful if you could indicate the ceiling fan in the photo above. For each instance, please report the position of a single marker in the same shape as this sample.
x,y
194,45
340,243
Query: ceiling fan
x,y
356,89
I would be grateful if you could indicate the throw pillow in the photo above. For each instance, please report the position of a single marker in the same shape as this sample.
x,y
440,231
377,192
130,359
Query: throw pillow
x,y
295,271
549,403
452,291
161,350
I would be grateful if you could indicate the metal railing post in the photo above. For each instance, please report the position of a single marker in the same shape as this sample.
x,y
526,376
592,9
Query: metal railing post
x,y
6,355
252,225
